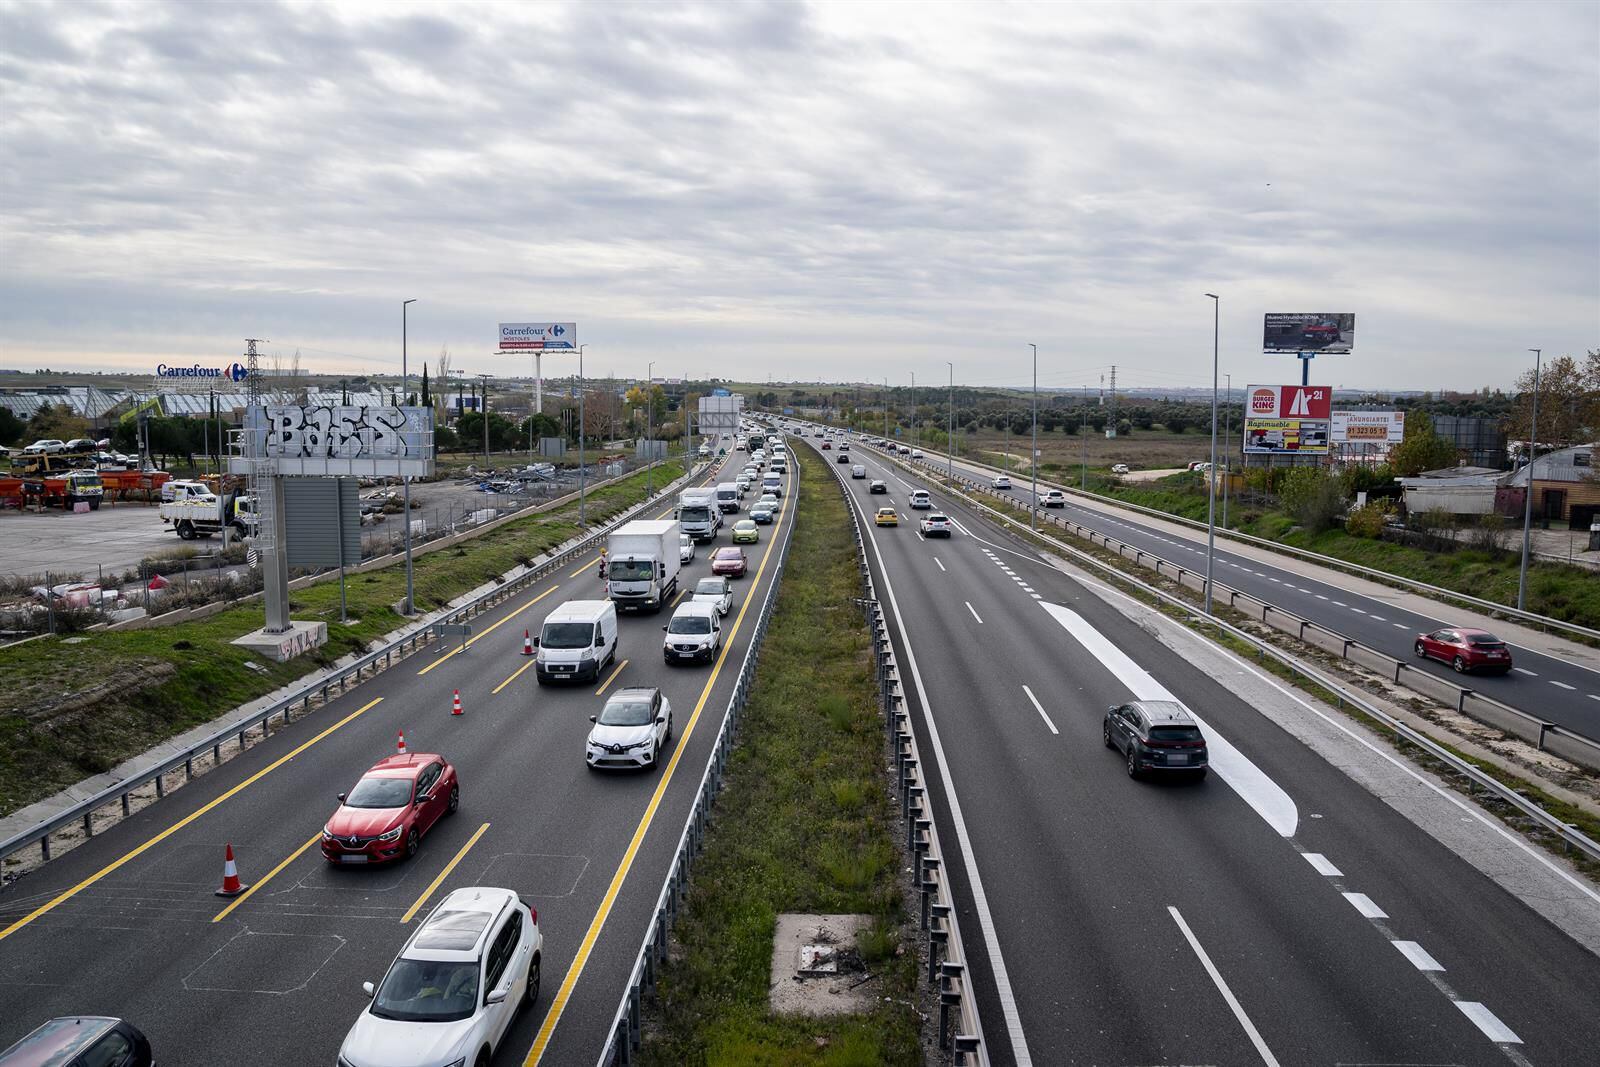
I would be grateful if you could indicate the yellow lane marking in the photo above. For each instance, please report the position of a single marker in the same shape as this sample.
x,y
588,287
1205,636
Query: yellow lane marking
x,y
587,566
611,678
531,661
491,629
52,904
559,1003
437,882
681,594
270,875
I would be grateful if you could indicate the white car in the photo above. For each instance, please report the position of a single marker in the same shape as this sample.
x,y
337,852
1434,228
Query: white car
x,y
694,634
921,500
858,471
743,482
1119,468
685,548
769,501
717,591
47,446
450,996
916,453
631,730
936,525
1000,481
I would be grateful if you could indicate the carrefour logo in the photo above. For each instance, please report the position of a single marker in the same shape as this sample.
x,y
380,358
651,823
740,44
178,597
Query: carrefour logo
x,y
235,372
238,372
558,329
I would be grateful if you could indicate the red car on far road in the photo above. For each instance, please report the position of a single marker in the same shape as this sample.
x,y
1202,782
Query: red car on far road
x,y
729,561
396,802
1465,649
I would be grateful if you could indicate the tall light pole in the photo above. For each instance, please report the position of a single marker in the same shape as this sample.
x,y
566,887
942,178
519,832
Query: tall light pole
x,y
1227,447
1211,473
650,429
583,468
1527,504
950,427
886,409
913,411
483,412
1083,432
1033,452
405,483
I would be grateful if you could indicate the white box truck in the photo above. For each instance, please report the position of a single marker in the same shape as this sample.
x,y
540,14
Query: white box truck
x,y
699,514
642,564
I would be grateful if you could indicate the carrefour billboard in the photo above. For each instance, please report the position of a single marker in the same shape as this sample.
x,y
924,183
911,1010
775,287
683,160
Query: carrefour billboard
x,y
1323,332
538,337
1287,418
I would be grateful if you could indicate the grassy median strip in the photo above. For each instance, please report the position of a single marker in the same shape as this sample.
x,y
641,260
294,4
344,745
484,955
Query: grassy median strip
x,y
804,824
70,711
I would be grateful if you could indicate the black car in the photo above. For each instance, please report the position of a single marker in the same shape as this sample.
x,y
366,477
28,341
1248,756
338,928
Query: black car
x,y
877,487
82,1040
844,457
1156,735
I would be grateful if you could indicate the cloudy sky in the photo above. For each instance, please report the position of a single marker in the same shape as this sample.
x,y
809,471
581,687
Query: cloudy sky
x,y
808,191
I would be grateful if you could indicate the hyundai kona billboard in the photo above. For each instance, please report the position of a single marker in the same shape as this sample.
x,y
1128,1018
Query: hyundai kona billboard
x,y
1333,333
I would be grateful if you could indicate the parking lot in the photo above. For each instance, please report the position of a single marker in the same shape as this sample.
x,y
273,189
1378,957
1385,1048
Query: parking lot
x,y
114,539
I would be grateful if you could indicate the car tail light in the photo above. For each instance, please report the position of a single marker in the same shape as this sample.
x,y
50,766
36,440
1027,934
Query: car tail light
x,y
533,913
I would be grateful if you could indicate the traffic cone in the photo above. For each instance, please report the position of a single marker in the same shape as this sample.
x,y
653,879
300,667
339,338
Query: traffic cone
x,y
231,886
455,703
527,644
400,747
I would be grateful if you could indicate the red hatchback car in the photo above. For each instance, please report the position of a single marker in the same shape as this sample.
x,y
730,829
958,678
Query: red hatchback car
x,y
384,817
1465,650
729,561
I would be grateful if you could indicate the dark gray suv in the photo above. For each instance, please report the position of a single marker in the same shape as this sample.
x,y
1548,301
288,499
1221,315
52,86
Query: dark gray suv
x,y
1156,735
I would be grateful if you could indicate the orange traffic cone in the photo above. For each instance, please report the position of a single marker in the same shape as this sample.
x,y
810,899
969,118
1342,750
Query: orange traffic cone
x,y
455,704
400,746
527,644
231,886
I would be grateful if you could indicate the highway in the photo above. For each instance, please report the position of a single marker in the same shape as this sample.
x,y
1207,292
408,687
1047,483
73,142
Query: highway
x,y
127,923
1561,691
1276,912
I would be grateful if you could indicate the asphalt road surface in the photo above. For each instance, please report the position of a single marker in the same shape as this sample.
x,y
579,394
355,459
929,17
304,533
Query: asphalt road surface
x,y
127,925
1275,912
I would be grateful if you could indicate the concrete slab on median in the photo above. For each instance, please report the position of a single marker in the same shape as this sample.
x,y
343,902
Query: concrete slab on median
x,y
816,968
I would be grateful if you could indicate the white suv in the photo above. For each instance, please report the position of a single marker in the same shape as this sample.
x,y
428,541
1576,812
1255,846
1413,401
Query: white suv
x,y
450,996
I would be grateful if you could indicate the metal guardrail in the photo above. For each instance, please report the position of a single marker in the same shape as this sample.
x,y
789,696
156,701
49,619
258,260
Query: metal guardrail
x,y
1570,836
283,709
957,999
624,1036
1545,735
1332,562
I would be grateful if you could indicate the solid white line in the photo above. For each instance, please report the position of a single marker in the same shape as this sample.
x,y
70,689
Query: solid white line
x,y
941,565
1365,905
1322,864
1227,994
1485,1020
1563,685
972,609
980,899
1235,768
1039,709
1419,956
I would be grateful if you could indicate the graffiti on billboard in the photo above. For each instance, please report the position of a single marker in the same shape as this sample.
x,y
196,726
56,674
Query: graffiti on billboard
x,y
338,432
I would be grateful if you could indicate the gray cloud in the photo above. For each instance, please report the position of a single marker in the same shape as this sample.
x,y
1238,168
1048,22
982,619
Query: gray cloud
x,y
809,191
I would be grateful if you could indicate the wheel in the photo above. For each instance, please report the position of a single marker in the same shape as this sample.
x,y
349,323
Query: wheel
x,y
411,843
1105,735
531,993
668,735
455,798
1201,774
655,756
1421,652
1133,763
1459,664
186,531
482,1060
94,505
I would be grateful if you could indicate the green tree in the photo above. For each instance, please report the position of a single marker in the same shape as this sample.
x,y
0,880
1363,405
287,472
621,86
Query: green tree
x,y
11,428
57,421
1566,403
1422,449
1313,497
427,399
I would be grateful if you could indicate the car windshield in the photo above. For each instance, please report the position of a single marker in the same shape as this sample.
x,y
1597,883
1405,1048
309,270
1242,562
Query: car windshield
x,y
567,635
428,991
1484,639
689,624
631,570
1174,733
713,586
727,553
698,513
380,793
626,711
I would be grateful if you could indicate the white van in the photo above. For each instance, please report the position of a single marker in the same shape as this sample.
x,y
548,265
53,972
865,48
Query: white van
x,y
772,482
694,634
920,499
578,639
728,496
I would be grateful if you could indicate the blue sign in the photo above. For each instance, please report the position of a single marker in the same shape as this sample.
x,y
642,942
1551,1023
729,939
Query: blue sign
x,y
788,411
720,392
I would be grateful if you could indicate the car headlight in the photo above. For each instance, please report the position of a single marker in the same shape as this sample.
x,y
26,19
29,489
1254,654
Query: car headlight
x,y
392,835
458,1063
327,835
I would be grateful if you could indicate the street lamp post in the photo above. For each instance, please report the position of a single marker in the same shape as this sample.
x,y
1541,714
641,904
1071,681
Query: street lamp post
x,y
405,483
650,429
886,409
483,413
913,411
950,427
583,468
1083,432
1527,503
1227,446
1033,453
1211,473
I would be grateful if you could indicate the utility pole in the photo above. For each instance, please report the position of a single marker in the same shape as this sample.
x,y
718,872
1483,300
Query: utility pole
x,y
886,409
483,412
583,467
1113,399
1211,474
1227,447
950,427
649,430
1033,454
1083,432
913,411
405,483
1527,503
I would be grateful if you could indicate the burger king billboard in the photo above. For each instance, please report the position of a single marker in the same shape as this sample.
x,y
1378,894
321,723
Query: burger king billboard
x,y
1287,418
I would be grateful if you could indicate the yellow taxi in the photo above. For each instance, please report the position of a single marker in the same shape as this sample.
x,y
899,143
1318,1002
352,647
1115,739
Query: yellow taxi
x,y
886,517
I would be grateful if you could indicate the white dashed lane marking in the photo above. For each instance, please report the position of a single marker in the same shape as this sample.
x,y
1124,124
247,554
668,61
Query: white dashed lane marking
x,y
1322,864
1419,956
1366,906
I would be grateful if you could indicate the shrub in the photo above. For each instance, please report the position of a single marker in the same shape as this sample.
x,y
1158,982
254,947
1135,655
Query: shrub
x,y
1367,521
1492,533
1315,499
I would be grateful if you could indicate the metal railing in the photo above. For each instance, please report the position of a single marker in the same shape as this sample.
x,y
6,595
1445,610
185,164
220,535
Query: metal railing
x,y
1477,779
1332,562
959,1029
623,1038
317,690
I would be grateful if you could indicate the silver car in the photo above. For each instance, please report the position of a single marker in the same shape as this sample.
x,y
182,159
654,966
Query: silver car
x,y
450,997
631,730
718,591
